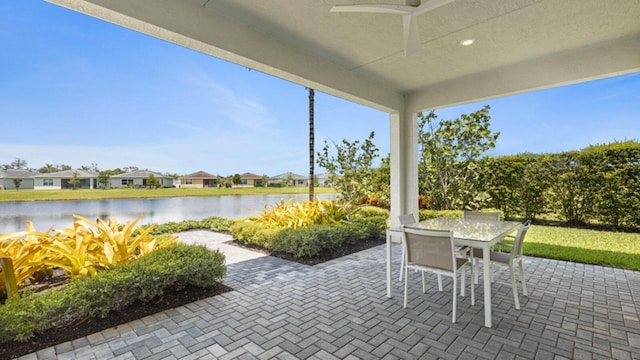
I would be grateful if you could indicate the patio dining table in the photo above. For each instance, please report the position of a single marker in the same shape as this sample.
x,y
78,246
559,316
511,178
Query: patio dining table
x,y
466,232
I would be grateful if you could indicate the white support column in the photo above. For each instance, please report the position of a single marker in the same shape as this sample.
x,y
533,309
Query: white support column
x,y
404,164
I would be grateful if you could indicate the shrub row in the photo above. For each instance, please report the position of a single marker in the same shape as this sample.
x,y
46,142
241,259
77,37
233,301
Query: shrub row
x,y
111,289
212,223
311,241
598,184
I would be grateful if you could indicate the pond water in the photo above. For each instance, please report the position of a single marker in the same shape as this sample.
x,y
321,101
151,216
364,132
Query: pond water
x,y
59,214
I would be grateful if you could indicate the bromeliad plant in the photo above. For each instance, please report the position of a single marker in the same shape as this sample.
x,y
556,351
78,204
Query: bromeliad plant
x,y
306,213
22,253
118,244
81,250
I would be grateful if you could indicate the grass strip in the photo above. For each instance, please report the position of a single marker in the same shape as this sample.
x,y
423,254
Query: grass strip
x,y
97,194
612,249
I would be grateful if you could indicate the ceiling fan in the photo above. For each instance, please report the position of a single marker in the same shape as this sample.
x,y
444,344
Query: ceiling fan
x,y
409,12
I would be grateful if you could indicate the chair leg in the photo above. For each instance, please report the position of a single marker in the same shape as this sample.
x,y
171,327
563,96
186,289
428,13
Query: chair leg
x,y
514,287
491,264
439,282
462,281
406,286
473,291
475,265
524,284
455,286
401,263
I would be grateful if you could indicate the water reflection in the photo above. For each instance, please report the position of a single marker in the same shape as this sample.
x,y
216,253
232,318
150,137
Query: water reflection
x,y
59,214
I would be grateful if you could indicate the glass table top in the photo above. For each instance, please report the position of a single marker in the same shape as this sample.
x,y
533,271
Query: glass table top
x,y
470,229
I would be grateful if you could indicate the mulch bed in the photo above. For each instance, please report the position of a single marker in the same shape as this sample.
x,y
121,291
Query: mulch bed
x,y
172,298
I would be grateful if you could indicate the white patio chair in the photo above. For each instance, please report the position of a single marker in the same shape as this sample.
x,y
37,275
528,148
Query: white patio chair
x,y
482,216
406,219
409,219
487,216
433,251
510,260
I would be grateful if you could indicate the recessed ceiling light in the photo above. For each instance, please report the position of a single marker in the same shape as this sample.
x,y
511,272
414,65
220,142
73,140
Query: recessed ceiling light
x,y
466,42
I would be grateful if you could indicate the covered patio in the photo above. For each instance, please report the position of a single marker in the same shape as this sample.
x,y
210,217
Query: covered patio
x,y
339,310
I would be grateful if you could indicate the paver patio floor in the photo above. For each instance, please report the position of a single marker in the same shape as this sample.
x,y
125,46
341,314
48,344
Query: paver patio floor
x,y
339,310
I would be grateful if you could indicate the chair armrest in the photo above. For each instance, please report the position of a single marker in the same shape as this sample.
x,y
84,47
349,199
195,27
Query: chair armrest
x,y
463,250
501,244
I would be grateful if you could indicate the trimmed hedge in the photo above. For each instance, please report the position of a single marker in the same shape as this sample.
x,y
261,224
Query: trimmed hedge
x,y
212,223
313,240
111,289
598,185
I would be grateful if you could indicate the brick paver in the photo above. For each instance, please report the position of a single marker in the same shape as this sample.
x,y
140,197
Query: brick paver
x,y
339,310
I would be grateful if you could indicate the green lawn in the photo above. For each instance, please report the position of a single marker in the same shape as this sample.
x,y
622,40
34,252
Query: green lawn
x,y
613,249
95,194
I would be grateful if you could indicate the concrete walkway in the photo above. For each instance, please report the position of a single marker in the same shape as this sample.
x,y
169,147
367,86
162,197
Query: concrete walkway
x,y
214,240
339,310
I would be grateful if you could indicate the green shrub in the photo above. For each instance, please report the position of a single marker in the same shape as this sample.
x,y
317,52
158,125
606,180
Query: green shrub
x,y
372,211
111,289
212,223
313,240
372,226
432,214
597,185
251,233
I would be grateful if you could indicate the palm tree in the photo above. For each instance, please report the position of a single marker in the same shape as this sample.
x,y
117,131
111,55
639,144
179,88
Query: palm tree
x,y
311,143
48,168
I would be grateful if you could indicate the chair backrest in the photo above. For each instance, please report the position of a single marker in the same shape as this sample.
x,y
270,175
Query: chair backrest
x,y
432,248
516,251
407,219
483,216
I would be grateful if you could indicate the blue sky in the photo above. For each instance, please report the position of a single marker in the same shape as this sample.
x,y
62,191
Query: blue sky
x,y
79,91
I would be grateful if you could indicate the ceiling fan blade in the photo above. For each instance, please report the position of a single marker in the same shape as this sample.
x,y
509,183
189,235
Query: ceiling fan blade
x,y
411,35
409,18
431,5
374,8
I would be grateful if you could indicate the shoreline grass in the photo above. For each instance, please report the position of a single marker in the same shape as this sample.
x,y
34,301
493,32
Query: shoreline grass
x,y
99,194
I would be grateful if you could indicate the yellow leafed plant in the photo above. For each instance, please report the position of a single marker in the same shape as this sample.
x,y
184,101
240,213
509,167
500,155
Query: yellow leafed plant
x,y
25,252
120,243
306,213
80,250
72,249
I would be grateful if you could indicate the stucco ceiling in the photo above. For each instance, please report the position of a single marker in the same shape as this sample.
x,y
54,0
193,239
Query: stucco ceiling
x,y
520,45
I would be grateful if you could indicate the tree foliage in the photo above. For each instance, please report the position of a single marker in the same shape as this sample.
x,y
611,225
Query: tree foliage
x,y
236,179
600,184
91,168
516,184
449,154
50,168
152,181
17,182
17,164
75,180
351,169
381,184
